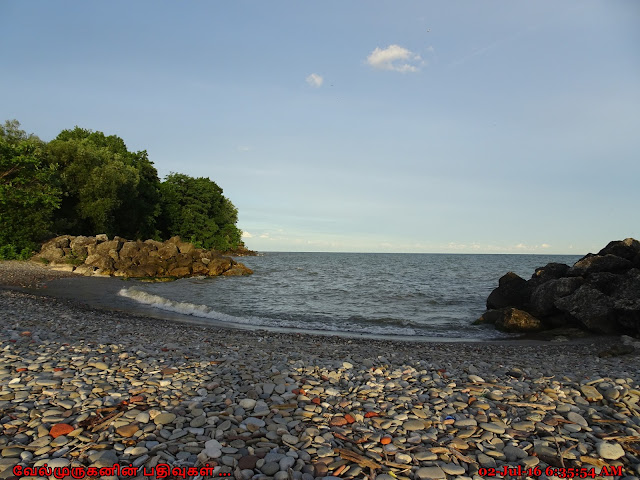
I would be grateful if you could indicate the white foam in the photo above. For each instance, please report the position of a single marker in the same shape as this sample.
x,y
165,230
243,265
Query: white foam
x,y
205,311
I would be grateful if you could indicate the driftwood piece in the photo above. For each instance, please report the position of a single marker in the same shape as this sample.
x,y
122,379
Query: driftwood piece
x,y
352,456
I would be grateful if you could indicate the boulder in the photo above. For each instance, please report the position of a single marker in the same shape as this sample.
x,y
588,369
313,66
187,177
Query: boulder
x,y
550,271
168,250
596,263
628,248
591,308
52,254
217,266
102,262
511,320
199,268
238,269
626,301
180,272
512,291
544,296
80,245
605,282
129,250
104,248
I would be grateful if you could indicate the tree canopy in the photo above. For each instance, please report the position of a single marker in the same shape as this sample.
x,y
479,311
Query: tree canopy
x,y
196,210
28,194
85,182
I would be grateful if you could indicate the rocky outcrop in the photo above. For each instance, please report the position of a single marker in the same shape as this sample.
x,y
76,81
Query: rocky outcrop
x,y
600,293
124,258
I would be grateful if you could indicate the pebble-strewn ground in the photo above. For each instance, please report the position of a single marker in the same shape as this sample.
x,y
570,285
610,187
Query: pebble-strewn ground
x,y
92,388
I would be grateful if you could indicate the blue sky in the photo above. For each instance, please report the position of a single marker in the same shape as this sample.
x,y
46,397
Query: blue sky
x,y
405,126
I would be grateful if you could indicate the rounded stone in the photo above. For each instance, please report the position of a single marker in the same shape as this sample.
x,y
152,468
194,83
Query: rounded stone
x,y
610,451
270,468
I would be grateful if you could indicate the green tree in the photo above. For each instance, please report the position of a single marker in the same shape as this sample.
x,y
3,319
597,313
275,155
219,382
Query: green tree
x,y
28,193
197,211
107,189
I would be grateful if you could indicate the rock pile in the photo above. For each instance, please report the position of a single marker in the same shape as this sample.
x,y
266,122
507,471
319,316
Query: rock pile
x,y
123,258
599,293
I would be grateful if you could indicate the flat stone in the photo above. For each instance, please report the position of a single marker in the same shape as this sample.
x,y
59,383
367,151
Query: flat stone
x,y
127,430
453,469
577,418
198,421
425,456
590,393
426,473
492,427
164,418
413,425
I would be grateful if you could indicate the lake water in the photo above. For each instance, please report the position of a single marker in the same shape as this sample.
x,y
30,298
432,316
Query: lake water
x,y
406,295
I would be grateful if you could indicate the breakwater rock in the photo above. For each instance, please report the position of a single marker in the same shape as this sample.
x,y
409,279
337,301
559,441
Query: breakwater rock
x,y
136,259
600,293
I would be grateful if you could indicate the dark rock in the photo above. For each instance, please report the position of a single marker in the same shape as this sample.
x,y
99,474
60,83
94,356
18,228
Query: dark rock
x,y
627,248
511,320
247,462
550,272
544,296
626,300
606,282
512,291
591,308
599,293
596,263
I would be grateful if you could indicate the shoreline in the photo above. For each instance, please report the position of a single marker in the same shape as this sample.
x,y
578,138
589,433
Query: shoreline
x,y
101,293
131,389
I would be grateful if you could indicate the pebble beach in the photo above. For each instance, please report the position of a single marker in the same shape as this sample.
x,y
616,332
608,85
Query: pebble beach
x,y
82,390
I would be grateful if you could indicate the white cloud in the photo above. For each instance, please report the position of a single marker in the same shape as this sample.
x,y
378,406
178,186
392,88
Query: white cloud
x,y
264,235
246,235
314,80
243,148
395,58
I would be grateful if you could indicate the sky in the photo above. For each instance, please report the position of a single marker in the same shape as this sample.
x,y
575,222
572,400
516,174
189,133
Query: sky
x,y
359,126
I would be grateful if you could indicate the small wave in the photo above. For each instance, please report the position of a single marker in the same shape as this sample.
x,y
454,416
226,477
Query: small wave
x,y
205,311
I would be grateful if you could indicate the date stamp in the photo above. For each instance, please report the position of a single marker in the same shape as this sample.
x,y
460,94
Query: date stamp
x,y
560,472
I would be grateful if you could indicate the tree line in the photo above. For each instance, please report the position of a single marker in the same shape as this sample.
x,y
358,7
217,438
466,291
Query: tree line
x,y
85,183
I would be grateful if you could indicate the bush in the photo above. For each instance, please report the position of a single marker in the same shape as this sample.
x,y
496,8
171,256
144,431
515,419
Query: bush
x,y
11,252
